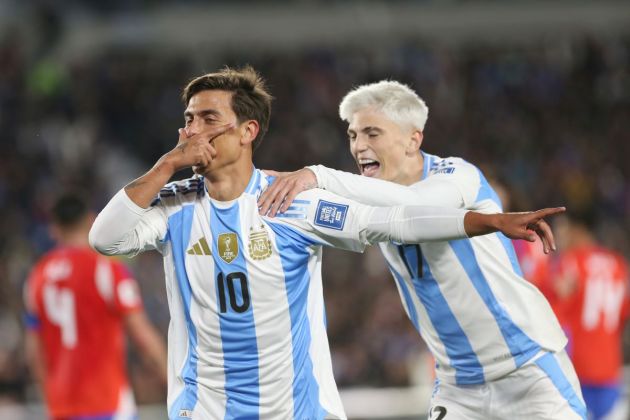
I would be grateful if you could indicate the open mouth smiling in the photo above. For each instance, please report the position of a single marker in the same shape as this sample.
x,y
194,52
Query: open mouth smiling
x,y
369,167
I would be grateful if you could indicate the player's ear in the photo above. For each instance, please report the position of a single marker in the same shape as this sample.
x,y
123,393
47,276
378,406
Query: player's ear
x,y
415,142
249,131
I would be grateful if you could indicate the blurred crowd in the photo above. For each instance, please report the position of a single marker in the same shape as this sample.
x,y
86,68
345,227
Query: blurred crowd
x,y
548,120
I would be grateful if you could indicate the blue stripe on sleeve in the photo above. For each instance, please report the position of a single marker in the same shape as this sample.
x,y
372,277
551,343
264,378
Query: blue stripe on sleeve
x,y
296,235
294,254
179,225
238,328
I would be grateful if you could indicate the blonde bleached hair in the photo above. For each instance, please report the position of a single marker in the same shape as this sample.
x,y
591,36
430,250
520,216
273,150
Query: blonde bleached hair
x,y
397,101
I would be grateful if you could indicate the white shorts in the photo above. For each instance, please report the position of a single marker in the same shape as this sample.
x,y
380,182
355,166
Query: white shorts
x,y
126,406
545,388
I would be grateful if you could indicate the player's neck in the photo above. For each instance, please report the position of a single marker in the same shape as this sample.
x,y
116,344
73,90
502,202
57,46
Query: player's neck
x,y
230,182
75,239
413,168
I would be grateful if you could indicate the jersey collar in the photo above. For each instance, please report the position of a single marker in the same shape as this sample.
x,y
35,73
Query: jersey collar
x,y
427,163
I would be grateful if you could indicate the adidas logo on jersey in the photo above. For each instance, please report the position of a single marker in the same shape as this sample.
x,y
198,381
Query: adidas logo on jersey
x,y
185,413
200,248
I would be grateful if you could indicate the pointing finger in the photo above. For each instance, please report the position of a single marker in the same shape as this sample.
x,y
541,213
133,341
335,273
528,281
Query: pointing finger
x,y
541,214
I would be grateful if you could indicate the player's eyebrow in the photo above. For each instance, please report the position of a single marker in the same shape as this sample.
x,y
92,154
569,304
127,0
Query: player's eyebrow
x,y
202,113
365,130
370,128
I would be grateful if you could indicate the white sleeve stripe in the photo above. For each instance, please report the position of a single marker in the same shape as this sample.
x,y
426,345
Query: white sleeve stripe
x,y
104,280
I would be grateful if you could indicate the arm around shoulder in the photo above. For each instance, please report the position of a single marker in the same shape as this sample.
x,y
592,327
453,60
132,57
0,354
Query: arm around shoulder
x,y
363,189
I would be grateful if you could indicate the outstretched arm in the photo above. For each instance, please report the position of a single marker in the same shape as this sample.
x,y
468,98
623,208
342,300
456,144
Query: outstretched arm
x,y
414,224
434,191
524,225
279,196
338,221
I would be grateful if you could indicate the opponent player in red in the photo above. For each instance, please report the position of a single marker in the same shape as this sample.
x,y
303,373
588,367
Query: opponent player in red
x,y
535,265
590,287
78,304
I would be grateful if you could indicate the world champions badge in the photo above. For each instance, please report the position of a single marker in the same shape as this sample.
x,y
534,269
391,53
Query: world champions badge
x,y
228,246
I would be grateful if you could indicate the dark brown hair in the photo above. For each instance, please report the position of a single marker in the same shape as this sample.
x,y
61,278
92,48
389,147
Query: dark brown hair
x,y
68,210
250,99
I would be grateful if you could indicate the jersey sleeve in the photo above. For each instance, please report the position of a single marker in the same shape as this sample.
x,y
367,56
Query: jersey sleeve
x,y
327,219
124,228
365,190
331,220
117,287
127,296
456,187
451,182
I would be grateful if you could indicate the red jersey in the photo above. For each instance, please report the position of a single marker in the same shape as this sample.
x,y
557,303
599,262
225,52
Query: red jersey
x,y
594,313
76,300
534,263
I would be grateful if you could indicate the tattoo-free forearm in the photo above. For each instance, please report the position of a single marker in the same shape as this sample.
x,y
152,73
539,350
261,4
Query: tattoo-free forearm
x,y
481,224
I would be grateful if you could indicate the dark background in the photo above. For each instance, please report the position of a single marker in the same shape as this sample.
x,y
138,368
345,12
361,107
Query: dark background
x,y
535,93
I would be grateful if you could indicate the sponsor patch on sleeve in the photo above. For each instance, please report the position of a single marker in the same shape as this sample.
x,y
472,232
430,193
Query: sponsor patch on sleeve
x,y
331,215
445,170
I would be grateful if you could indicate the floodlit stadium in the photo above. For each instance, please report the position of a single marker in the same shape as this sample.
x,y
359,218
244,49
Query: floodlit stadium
x,y
534,94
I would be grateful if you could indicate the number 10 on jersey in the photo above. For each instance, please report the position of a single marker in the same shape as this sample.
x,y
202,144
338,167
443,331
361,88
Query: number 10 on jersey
x,y
234,284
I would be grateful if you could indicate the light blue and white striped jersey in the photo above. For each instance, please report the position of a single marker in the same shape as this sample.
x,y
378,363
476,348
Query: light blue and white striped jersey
x,y
247,337
467,298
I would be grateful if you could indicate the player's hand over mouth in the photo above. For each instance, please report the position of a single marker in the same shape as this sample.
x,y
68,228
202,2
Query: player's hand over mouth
x,y
195,150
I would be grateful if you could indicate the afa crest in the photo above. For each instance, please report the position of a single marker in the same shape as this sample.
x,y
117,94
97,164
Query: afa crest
x,y
228,246
259,243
